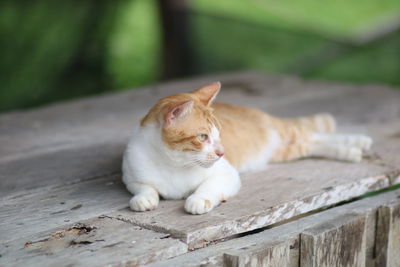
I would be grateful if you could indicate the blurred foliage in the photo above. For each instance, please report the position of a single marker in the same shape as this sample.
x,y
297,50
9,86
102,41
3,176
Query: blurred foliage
x,y
52,50
268,48
375,63
339,18
277,49
134,49
277,35
56,50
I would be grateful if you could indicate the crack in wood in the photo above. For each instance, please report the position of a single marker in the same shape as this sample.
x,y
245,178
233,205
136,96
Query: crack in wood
x,y
76,230
85,242
76,207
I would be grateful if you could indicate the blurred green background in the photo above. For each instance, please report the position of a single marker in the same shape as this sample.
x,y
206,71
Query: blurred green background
x,y
56,50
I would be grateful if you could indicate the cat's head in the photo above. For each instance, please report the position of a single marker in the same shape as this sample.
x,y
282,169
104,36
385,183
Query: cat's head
x,y
189,131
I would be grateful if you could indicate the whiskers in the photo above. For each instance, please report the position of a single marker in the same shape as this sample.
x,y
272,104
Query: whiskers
x,y
196,160
189,159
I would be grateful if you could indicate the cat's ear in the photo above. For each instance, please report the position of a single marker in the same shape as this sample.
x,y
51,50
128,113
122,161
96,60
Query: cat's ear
x,y
208,93
178,112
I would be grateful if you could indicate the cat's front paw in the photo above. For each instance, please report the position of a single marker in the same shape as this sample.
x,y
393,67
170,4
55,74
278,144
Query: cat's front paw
x,y
143,202
198,205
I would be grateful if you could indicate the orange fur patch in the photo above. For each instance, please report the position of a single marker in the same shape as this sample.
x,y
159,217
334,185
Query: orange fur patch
x,y
243,131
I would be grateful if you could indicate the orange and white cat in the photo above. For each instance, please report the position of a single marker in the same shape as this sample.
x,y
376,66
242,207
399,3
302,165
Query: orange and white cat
x,y
190,147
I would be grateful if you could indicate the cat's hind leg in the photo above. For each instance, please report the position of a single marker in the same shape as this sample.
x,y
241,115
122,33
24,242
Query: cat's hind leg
x,y
352,140
314,136
300,142
347,147
295,142
145,197
339,152
296,135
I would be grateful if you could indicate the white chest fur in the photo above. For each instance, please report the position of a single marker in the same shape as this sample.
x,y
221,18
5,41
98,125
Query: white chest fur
x,y
148,161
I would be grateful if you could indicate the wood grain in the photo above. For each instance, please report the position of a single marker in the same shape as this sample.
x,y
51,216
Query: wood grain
x,y
339,242
387,246
258,256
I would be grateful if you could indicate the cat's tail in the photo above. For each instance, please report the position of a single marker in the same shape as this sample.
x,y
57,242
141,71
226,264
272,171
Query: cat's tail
x,y
320,123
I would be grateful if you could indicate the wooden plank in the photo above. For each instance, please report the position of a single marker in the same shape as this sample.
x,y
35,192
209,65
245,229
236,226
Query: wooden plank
x,y
213,255
371,218
387,245
53,142
267,204
280,193
38,210
272,255
340,242
393,246
60,166
177,53
96,242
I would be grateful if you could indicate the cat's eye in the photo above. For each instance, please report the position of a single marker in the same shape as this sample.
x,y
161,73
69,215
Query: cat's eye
x,y
202,137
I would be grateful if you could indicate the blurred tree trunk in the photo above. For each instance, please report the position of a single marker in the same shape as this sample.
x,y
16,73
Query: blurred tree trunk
x,y
177,55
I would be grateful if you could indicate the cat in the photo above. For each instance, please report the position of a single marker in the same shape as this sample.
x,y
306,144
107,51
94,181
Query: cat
x,y
189,147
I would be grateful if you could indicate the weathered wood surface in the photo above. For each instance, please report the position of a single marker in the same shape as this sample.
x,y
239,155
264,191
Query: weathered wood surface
x,y
371,218
97,242
332,221
275,254
47,208
53,142
387,248
257,205
60,165
339,242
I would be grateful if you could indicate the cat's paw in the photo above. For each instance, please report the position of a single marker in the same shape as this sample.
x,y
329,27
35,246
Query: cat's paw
x,y
143,202
352,154
364,142
198,205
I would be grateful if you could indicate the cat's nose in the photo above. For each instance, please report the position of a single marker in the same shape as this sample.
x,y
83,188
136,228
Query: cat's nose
x,y
219,152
